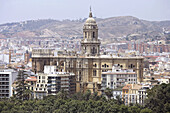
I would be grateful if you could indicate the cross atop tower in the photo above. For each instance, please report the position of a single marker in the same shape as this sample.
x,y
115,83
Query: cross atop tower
x,y
90,14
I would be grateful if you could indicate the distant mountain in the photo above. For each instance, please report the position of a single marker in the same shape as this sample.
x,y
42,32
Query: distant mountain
x,y
108,28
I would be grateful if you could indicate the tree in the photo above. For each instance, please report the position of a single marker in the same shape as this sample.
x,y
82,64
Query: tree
x,y
21,92
108,93
118,100
62,94
87,95
146,110
159,98
134,109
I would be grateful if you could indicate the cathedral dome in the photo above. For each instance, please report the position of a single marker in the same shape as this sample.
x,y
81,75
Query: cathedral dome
x,y
90,20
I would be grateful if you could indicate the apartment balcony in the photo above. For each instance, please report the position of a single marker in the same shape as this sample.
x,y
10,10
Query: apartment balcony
x,y
4,84
64,86
122,77
121,81
53,82
53,90
64,82
64,79
4,92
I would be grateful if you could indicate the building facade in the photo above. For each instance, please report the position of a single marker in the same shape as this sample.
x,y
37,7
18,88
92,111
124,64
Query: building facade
x,y
50,82
118,78
7,77
89,65
61,81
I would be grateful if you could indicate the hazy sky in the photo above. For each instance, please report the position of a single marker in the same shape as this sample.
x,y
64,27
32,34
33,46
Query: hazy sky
x,y
20,10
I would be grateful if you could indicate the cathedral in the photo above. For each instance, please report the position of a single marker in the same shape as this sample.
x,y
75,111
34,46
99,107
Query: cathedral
x,y
89,65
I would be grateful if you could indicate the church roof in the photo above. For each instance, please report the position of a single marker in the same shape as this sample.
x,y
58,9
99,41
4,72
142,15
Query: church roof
x,y
90,20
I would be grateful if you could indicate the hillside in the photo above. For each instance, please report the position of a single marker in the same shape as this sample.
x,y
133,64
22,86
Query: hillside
x,y
108,28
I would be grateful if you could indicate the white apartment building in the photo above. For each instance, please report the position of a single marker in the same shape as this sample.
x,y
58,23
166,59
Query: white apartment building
x,y
142,94
7,77
117,78
51,82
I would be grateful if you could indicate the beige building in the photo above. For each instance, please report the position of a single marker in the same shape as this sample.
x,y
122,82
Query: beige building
x,y
135,93
130,93
88,65
31,84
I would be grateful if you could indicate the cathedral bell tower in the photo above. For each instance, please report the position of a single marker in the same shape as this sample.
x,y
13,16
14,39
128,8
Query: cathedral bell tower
x,y
90,45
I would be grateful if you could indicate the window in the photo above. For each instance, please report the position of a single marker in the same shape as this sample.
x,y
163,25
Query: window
x,y
94,72
95,65
103,75
85,34
79,64
93,50
62,64
93,34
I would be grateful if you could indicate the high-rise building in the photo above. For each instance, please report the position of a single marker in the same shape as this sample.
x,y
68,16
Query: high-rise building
x,y
7,77
61,81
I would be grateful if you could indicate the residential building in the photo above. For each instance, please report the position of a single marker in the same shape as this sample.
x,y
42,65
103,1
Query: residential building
x,y
142,94
117,78
41,85
117,92
130,93
7,77
31,82
51,82
61,81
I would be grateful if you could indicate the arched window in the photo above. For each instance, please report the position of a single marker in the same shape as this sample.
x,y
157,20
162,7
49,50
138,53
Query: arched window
x,y
79,64
93,50
85,34
94,72
93,34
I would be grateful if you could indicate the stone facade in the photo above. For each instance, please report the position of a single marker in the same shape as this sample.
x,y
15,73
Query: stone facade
x,y
89,65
